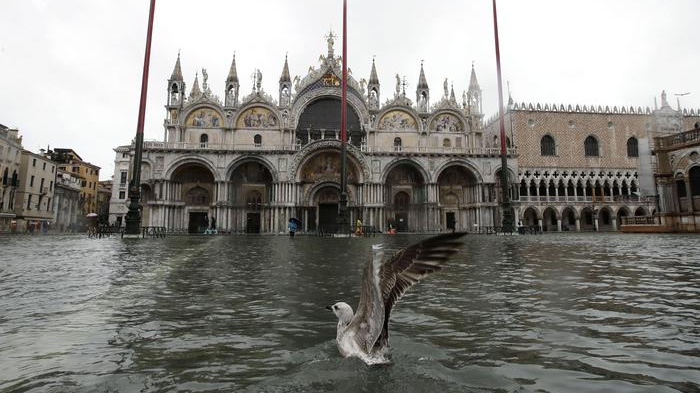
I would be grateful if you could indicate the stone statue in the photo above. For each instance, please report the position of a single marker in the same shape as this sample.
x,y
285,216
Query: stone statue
x,y
363,83
398,84
205,78
664,100
373,102
444,87
285,97
258,83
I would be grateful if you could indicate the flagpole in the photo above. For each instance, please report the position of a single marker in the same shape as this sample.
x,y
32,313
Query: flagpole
x,y
507,210
343,203
133,216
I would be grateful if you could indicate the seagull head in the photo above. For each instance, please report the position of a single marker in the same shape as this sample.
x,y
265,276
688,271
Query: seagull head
x,y
342,310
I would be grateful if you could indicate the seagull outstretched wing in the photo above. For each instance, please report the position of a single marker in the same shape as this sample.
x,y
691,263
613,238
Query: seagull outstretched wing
x,y
385,282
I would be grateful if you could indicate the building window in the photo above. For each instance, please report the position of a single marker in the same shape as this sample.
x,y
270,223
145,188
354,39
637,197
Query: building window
x,y
29,202
591,147
397,144
83,183
76,169
122,179
43,168
34,162
51,186
48,205
547,147
41,187
257,140
632,147
122,194
52,168
31,181
203,140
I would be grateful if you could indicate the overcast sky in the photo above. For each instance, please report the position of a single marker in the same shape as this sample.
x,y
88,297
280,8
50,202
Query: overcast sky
x,y
70,70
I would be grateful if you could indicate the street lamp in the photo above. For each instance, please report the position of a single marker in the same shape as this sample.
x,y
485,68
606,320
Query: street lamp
x,y
133,217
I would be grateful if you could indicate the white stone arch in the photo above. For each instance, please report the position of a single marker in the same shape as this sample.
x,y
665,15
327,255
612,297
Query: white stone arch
x,y
311,96
403,160
409,110
572,208
460,162
557,212
538,213
310,195
192,159
640,208
256,104
311,149
513,174
453,112
252,158
182,120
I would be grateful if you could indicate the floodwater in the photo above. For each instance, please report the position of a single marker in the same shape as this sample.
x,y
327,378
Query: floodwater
x,y
550,313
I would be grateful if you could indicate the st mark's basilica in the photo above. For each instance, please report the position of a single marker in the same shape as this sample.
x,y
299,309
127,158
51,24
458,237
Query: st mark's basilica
x,y
253,161
420,164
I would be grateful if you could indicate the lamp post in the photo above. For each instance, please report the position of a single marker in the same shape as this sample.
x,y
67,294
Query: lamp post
x,y
342,220
133,217
506,208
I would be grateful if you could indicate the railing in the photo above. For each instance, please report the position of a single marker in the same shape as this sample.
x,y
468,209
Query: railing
x,y
217,146
674,141
587,199
330,230
101,231
640,220
492,151
490,230
438,150
153,232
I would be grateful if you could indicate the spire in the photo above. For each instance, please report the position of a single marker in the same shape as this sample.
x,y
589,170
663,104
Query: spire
x,y
452,93
232,73
195,92
373,79
473,83
177,71
285,72
422,82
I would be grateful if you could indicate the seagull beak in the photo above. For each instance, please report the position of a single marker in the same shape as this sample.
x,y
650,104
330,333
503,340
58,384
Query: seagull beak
x,y
329,308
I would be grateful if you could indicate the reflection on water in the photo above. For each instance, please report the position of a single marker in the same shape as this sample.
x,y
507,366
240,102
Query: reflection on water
x,y
554,313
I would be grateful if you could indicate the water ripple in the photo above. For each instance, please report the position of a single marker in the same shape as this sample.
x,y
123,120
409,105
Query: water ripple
x,y
555,313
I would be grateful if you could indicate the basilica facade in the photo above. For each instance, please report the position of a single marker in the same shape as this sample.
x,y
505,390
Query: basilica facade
x,y
251,162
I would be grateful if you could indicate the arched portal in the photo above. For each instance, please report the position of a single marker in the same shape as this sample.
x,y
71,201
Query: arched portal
x,y
317,176
694,180
621,214
321,120
250,194
530,218
605,219
587,219
459,196
568,219
549,220
146,208
326,201
407,193
195,185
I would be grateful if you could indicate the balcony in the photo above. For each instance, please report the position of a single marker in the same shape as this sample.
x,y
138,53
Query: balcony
x,y
205,146
673,142
487,151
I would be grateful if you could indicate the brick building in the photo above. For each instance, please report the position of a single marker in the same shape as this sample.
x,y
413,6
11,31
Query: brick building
x,y
586,167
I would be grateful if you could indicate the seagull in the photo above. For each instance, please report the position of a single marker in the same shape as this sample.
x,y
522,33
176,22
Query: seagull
x,y
365,334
